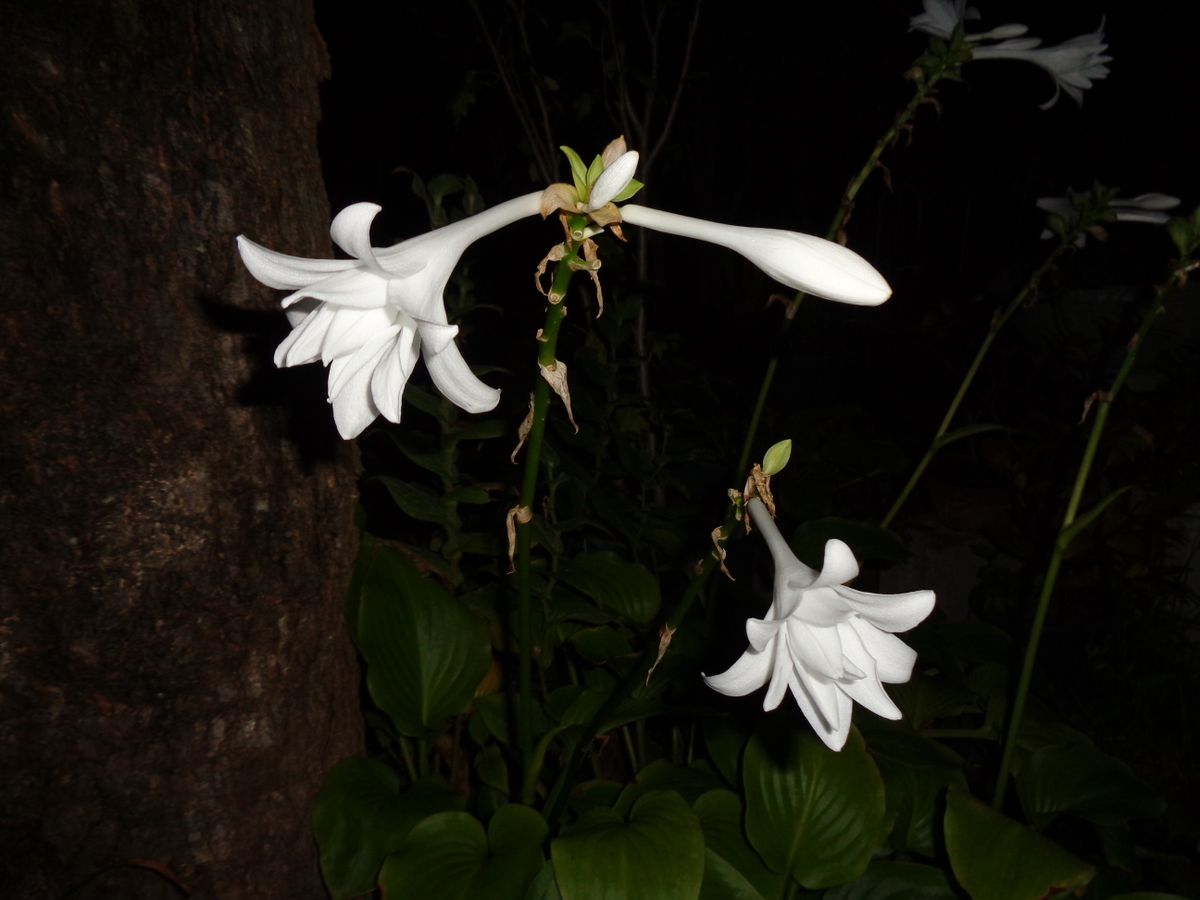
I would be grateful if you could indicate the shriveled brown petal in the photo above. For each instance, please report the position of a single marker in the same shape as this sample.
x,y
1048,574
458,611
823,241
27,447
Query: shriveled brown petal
x,y
556,376
614,149
558,196
606,215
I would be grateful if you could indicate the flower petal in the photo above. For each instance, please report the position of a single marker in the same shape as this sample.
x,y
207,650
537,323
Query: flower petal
x,y
303,344
894,659
783,671
436,337
822,606
458,384
760,632
817,648
344,369
891,612
278,270
747,674
839,565
351,230
351,329
392,374
796,571
353,408
866,691
357,288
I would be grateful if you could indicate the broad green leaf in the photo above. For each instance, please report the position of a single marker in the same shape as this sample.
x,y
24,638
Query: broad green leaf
x,y
425,652
725,741
600,644
414,500
430,460
543,886
926,699
965,432
481,430
983,846
688,781
1084,781
896,881
473,495
594,171
628,191
627,589
731,867
657,853
916,773
812,812
448,856
360,816
1147,895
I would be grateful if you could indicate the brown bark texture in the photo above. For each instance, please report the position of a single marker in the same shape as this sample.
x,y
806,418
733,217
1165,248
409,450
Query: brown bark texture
x,y
175,677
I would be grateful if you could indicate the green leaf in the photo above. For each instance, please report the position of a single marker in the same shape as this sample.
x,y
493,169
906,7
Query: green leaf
x,y
416,501
1146,895
448,856
1084,781
425,652
473,495
360,816
777,457
984,846
599,645
431,461
896,881
916,772
1072,531
812,812
731,867
578,170
628,191
655,854
544,886
688,781
482,430
725,741
594,171
965,432
627,589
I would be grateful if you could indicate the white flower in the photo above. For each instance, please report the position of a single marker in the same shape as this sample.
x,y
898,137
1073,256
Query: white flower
x,y
613,180
1148,208
801,261
830,645
1073,64
367,318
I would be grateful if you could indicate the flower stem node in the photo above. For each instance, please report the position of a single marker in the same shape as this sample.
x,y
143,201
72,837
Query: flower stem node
x,y
829,645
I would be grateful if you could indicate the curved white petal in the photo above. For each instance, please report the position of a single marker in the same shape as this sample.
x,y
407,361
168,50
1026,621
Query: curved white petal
x,y
392,374
891,612
748,673
818,648
894,659
458,384
839,566
345,369
359,288
436,337
821,605
278,270
760,632
867,690
801,261
613,180
351,230
783,669
303,344
298,312
1150,201
353,407
351,329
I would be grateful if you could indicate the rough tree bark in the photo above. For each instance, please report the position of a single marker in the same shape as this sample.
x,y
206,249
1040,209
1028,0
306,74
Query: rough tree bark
x,y
175,678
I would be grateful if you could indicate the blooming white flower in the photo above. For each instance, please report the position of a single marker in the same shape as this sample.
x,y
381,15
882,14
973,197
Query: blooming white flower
x,y
1074,64
369,317
829,644
1149,208
801,261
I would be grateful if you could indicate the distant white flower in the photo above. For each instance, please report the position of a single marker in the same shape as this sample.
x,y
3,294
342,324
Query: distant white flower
x,y
368,318
801,261
1073,64
1148,208
830,645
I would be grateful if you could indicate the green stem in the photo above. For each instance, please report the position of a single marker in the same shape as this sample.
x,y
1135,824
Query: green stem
x,y
1104,403
998,321
548,342
925,86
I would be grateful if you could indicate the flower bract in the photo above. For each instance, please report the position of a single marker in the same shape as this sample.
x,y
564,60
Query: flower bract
x,y
831,646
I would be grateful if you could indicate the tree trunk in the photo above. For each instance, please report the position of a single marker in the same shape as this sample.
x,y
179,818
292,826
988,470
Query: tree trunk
x,y
175,677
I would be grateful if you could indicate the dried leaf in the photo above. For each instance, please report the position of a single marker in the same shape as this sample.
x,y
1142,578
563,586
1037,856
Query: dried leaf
x,y
718,538
518,515
664,641
557,252
613,151
608,214
556,376
558,196
523,428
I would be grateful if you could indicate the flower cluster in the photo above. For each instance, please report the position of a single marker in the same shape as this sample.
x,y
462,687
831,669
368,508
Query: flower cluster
x,y
830,645
1083,212
370,317
1074,64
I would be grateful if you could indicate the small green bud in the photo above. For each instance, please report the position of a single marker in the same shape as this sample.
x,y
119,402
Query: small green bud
x,y
777,457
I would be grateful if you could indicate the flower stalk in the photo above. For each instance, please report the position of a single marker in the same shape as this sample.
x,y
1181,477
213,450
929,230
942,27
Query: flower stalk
x,y
556,311
1103,402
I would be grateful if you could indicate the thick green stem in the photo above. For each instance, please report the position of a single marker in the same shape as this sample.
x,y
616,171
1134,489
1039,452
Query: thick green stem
x,y
925,86
548,342
998,321
1104,403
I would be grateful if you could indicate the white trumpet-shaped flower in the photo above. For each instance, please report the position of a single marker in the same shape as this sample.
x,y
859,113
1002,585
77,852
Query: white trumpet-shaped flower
x,y
830,645
801,261
368,318
1148,208
1074,64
